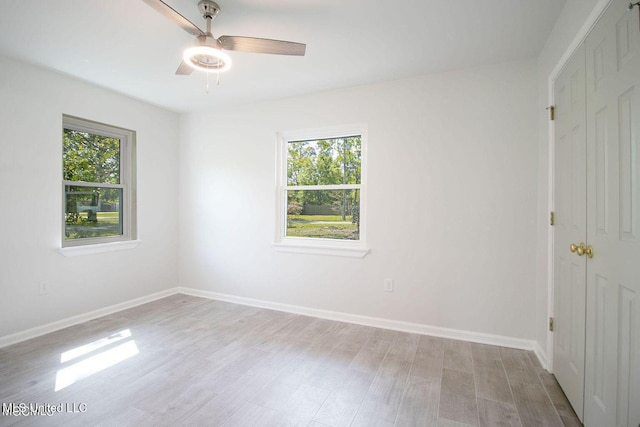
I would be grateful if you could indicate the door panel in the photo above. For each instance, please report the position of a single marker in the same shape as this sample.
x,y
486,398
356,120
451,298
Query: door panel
x,y
601,156
628,167
570,203
612,364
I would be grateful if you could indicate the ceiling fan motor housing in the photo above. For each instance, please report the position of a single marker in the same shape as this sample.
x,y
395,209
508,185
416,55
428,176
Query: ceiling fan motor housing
x,y
208,8
209,41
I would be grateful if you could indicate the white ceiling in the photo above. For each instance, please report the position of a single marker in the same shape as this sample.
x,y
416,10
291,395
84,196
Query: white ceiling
x,y
127,46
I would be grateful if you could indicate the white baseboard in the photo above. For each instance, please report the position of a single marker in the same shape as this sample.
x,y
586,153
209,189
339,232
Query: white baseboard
x,y
396,325
377,322
541,355
74,320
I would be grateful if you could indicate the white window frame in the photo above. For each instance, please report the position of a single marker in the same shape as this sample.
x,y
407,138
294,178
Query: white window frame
x,y
127,139
314,245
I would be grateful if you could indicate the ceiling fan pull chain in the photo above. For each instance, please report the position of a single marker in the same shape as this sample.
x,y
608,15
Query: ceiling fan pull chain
x,y
206,88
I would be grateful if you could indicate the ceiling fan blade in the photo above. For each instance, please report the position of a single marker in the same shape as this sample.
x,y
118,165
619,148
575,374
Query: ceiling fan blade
x,y
174,16
184,69
256,45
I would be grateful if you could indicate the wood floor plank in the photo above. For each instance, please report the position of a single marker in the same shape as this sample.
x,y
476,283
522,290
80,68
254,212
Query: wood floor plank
x,y
483,354
220,409
443,422
457,356
130,417
535,361
374,351
330,373
296,341
356,338
274,395
252,415
491,381
303,405
558,398
498,414
339,409
428,361
518,366
315,355
458,397
383,399
570,421
343,402
419,405
284,335
534,406
239,390
516,357
170,399
156,393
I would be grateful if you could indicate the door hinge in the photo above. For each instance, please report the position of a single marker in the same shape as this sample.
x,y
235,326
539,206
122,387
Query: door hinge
x,y
551,324
552,112
552,218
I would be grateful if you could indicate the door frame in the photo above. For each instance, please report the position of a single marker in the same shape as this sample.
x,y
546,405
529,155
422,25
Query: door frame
x,y
598,10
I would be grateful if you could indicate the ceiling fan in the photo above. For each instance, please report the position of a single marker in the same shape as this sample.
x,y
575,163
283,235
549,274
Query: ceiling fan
x,y
207,54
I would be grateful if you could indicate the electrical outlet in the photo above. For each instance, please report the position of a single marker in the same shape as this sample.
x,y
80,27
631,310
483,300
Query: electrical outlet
x,y
43,288
388,285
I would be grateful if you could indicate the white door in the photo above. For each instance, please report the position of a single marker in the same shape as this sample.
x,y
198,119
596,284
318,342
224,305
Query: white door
x,y
612,376
570,229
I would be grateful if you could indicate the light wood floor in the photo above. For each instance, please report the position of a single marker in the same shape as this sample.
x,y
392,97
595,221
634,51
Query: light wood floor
x,y
192,361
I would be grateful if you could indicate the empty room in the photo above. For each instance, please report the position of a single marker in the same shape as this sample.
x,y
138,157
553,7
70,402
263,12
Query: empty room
x,y
320,213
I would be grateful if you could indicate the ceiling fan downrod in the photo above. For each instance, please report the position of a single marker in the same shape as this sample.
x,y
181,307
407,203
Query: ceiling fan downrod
x,y
209,10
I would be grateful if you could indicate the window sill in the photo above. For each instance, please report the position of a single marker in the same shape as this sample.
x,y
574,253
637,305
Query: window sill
x,y
302,248
99,248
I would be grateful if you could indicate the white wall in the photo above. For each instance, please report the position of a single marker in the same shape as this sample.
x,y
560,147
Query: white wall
x,y
32,102
453,167
569,23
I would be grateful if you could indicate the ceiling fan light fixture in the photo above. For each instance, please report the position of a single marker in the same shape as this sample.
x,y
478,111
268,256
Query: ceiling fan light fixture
x,y
207,59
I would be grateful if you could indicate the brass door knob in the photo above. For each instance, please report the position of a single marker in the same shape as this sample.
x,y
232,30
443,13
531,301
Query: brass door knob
x,y
579,249
589,251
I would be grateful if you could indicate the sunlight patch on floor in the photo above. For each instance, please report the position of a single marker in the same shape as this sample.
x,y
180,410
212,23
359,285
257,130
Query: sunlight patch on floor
x,y
88,348
96,363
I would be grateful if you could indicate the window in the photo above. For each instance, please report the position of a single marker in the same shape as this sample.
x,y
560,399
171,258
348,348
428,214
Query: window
x,y
321,191
98,183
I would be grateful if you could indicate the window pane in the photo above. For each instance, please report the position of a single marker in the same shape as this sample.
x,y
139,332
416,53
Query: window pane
x,y
92,212
327,214
325,161
90,158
